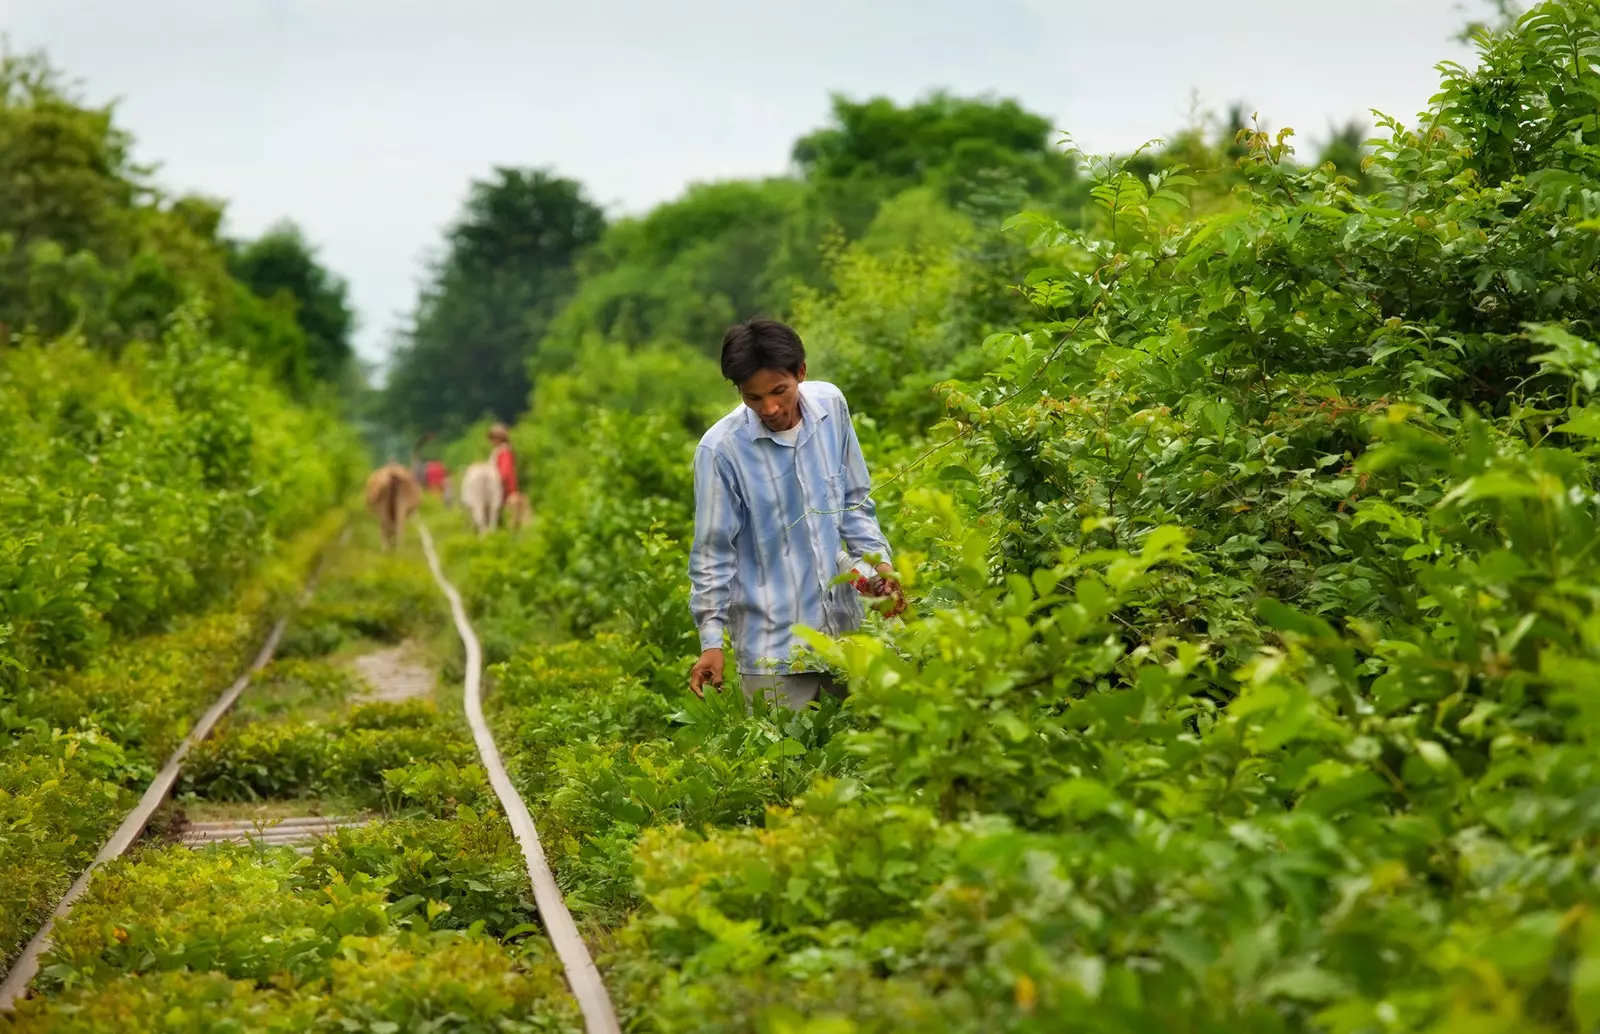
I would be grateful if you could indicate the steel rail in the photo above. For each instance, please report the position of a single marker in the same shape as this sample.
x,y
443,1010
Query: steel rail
x,y
583,976
15,986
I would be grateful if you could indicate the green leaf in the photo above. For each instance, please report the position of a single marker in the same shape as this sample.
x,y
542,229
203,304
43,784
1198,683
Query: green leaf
x,y
1586,425
1306,984
1331,799
1014,728
1080,798
1586,991
1497,484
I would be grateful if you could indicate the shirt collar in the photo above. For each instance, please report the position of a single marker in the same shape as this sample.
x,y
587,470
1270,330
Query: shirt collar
x,y
810,413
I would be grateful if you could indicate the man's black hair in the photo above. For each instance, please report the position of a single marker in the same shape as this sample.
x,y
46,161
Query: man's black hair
x,y
760,344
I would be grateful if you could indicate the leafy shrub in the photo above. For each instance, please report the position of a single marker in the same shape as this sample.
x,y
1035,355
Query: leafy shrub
x,y
471,864
266,760
79,745
161,476
167,1002
230,938
445,983
229,909
437,787
54,815
393,714
292,686
366,595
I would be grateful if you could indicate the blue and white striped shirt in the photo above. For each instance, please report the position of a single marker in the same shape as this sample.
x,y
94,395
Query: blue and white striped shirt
x,y
774,524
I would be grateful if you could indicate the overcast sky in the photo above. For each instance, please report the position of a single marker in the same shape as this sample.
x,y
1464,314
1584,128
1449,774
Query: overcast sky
x,y
364,120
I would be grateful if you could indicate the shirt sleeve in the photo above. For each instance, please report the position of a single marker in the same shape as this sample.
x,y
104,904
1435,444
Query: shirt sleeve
x,y
718,519
858,524
508,470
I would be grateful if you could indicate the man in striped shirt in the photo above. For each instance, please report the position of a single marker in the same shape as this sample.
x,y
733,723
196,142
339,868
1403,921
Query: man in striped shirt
x,y
781,510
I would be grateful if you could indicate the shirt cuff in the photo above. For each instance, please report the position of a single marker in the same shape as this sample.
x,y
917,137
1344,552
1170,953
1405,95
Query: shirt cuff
x,y
711,635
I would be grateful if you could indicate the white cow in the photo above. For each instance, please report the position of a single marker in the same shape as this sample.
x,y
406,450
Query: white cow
x,y
482,495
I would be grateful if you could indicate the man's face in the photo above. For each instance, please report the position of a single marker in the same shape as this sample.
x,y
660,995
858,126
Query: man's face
x,y
774,395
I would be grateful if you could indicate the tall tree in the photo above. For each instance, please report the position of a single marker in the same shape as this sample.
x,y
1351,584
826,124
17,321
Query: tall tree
x,y
282,264
874,149
88,244
680,273
506,271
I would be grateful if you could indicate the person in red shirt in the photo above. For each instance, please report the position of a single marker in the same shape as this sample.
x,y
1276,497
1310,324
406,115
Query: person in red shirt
x,y
516,504
500,455
435,476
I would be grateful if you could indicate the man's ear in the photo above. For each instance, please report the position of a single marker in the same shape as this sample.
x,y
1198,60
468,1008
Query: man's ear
x,y
800,374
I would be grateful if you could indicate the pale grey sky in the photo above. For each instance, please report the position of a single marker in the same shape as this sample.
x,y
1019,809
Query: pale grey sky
x,y
364,120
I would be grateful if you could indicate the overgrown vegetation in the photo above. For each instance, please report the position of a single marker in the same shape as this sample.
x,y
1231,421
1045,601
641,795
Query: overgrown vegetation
x,y
275,942
162,493
80,744
1249,510
1248,682
422,919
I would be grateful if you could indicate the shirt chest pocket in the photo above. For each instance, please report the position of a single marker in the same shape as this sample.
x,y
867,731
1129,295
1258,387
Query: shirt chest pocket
x,y
835,488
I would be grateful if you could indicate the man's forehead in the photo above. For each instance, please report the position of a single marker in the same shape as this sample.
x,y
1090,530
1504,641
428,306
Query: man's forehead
x,y
768,380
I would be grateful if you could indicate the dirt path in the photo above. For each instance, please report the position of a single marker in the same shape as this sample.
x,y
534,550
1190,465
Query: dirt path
x,y
395,674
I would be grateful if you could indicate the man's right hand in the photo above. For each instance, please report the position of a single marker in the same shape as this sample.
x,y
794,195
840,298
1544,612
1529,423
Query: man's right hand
x,y
707,669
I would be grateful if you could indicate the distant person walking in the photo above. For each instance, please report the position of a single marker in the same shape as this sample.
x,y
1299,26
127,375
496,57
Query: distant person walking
x,y
782,507
516,504
505,464
435,476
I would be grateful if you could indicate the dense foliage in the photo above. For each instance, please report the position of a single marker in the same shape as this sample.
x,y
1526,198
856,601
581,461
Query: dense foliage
x,y
676,276
420,920
162,491
1249,680
140,487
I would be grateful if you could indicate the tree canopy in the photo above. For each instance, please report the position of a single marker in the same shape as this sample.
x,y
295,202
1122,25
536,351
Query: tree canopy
x,y
89,244
531,274
282,264
507,267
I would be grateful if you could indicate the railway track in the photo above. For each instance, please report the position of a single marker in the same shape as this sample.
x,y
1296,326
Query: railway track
x,y
599,1016
302,832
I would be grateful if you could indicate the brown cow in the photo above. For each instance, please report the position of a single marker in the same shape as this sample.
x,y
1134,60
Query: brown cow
x,y
392,496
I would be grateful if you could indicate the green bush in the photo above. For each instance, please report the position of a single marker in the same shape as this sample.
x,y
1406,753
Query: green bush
x,y
1248,684
373,596
142,487
446,983
82,744
231,939
294,686
268,760
228,909
168,1002
471,864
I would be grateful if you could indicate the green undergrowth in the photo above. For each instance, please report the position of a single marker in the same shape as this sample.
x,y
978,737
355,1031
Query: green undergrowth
x,y
421,920
302,732
82,745
356,937
1249,681
368,595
